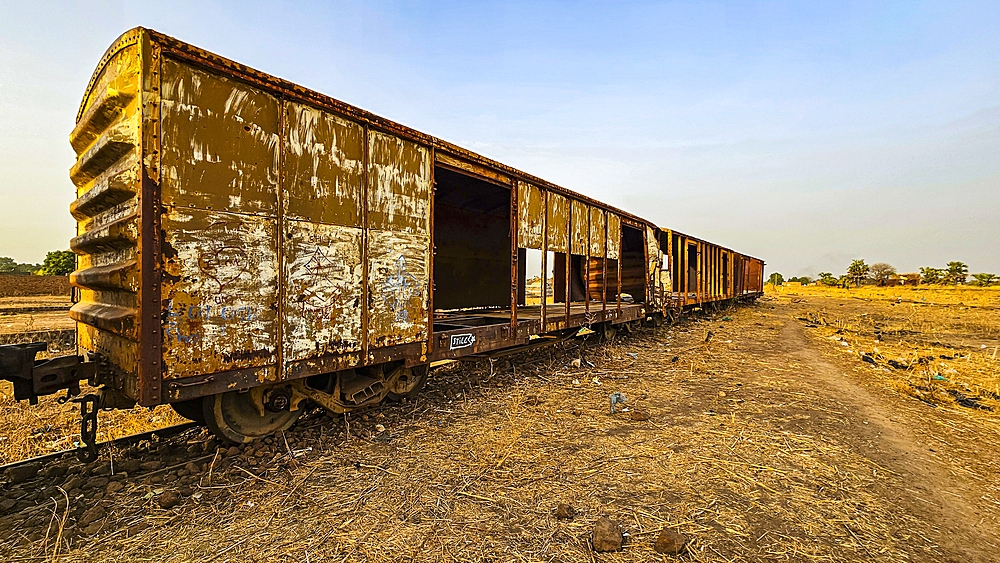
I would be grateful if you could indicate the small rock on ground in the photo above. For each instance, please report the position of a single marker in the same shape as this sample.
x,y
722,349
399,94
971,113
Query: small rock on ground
x,y
607,536
670,542
168,499
565,511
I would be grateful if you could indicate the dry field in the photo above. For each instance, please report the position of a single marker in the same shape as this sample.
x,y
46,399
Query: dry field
x,y
32,430
773,441
11,286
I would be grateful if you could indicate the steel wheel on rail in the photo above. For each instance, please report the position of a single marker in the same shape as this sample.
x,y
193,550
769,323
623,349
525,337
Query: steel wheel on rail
x,y
408,383
242,417
190,409
608,331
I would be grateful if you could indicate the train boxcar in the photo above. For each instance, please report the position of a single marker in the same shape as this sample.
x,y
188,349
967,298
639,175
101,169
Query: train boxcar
x,y
245,244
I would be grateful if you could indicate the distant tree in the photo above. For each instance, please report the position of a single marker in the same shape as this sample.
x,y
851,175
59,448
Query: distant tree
x,y
986,279
9,266
805,280
776,279
845,281
826,278
957,273
931,275
858,271
58,263
880,271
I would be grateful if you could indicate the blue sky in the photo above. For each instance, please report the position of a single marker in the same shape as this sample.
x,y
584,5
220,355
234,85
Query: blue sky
x,y
804,133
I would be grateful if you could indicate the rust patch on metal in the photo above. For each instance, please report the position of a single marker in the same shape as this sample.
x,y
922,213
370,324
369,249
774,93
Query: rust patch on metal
x,y
398,241
219,297
323,290
614,236
579,228
597,232
397,288
530,216
220,142
323,167
445,159
557,223
400,173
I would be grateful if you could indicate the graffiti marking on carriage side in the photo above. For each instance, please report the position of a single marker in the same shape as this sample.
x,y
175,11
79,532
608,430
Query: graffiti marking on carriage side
x,y
459,341
398,289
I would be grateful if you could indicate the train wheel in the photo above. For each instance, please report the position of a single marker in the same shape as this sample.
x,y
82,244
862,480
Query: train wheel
x,y
409,383
190,409
237,417
608,331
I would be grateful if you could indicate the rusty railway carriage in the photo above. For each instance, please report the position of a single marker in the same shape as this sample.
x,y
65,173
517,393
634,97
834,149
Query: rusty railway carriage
x,y
245,243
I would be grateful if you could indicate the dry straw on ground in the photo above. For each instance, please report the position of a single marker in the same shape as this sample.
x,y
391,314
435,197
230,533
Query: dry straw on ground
x,y
738,455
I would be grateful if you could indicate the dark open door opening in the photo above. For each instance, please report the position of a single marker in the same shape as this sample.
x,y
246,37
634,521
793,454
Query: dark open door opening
x,y
633,265
472,258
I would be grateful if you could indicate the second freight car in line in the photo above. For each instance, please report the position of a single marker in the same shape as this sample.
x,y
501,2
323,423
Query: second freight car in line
x,y
245,243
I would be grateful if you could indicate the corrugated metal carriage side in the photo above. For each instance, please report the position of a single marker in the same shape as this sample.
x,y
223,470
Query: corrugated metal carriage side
x,y
245,244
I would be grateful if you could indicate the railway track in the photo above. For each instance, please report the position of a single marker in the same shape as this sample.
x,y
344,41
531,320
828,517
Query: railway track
x,y
162,433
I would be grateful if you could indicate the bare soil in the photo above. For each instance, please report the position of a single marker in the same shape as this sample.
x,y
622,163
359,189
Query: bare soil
x,y
770,442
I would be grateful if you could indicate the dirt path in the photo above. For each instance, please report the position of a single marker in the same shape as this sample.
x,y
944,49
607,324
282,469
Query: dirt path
x,y
930,488
768,443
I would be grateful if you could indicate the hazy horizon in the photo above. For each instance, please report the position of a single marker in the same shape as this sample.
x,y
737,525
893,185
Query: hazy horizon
x,y
806,135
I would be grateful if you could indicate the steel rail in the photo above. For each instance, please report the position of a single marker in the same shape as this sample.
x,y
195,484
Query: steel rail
x,y
166,432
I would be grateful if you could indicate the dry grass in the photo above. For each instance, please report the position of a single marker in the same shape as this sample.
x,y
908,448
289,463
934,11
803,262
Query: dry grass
x,y
930,349
961,295
748,461
32,430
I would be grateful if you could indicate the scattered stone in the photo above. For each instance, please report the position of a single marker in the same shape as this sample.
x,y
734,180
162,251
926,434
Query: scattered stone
x,y
151,465
232,451
607,536
565,511
670,542
53,471
74,483
7,504
92,529
97,483
93,514
531,400
192,468
640,415
168,499
22,473
722,394
129,465
114,487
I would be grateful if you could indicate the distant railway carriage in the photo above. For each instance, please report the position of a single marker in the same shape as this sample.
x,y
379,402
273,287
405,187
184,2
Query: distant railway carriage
x,y
245,244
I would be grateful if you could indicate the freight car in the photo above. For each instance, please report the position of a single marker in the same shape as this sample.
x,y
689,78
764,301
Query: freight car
x,y
245,244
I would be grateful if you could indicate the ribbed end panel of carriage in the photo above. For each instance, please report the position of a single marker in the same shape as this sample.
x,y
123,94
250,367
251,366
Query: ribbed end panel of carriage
x,y
107,179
